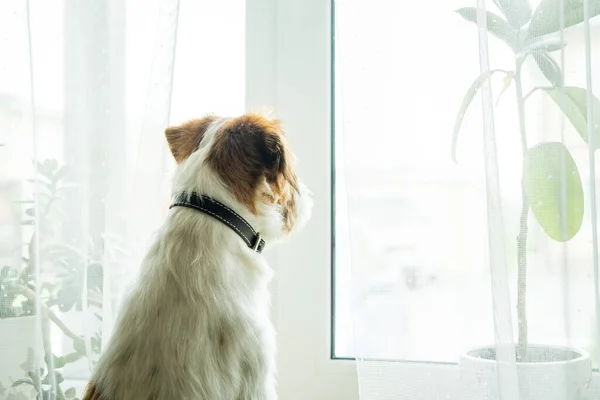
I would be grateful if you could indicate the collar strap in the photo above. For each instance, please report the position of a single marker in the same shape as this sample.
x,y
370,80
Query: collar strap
x,y
226,215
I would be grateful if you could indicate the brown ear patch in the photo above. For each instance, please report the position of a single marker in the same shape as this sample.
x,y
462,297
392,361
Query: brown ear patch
x,y
247,149
184,139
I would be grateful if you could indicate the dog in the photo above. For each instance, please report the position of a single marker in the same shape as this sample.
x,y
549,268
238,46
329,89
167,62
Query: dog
x,y
196,325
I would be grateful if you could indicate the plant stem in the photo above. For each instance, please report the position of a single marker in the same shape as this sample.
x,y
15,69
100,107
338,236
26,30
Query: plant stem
x,y
30,294
535,89
522,237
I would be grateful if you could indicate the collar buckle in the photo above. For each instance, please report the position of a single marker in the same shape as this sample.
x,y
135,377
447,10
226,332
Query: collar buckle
x,y
257,242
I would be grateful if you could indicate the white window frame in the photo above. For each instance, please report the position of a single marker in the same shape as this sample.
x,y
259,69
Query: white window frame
x,y
289,67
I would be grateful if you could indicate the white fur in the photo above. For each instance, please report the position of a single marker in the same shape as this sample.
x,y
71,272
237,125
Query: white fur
x,y
196,325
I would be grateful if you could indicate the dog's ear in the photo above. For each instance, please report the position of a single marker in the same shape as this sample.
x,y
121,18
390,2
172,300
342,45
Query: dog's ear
x,y
184,139
247,150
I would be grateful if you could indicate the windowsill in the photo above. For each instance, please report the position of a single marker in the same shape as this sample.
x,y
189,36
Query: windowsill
x,y
423,381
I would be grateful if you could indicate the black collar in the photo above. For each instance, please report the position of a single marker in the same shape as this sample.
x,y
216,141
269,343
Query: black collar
x,y
226,215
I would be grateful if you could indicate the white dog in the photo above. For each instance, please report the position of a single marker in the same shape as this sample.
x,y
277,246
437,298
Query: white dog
x,y
196,326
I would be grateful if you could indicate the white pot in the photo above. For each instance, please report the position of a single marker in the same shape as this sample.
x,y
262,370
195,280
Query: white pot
x,y
549,373
17,336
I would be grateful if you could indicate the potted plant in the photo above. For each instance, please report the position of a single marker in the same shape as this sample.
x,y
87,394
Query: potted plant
x,y
56,288
551,187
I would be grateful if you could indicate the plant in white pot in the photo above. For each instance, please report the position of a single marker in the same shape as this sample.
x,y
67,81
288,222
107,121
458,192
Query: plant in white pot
x,y
56,288
551,187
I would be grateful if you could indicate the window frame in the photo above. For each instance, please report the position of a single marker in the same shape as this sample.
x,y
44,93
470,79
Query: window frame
x,y
278,33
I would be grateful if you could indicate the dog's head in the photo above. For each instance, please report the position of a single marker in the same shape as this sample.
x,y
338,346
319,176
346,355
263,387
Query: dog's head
x,y
246,161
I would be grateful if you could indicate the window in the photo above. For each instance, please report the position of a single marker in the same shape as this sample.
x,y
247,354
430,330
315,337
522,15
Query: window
x,y
399,190
398,238
410,271
411,265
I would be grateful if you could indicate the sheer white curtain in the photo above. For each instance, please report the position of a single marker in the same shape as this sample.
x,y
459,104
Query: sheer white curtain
x,y
85,92
460,287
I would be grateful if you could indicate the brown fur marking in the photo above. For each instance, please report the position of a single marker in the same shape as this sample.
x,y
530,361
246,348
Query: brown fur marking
x,y
251,147
184,139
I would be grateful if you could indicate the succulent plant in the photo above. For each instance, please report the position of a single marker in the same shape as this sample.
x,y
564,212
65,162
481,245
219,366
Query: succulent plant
x,y
63,273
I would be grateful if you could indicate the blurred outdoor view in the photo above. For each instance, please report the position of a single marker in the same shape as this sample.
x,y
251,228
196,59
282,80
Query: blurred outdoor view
x,y
412,273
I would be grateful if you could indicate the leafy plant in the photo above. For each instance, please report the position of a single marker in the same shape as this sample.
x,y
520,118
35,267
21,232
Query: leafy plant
x,y
58,287
550,185
46,379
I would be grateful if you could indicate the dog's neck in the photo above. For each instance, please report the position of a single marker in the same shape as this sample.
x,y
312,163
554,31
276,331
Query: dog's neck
x,y
224,214
187,179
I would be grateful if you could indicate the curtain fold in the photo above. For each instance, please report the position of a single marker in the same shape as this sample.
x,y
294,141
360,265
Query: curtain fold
x,y
84,101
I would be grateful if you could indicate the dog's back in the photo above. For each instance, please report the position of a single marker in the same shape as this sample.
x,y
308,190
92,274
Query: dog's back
x,y
195,327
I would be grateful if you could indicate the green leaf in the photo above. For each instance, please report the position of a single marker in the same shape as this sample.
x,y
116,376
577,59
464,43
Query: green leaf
x,y
68,295
465,105
70,393
45,169
496,25
517,12
574,105
59,362
72,357
51,164
34,377
549,67
96,342
554,190
79,346
546,43
95,276
17,396
60,174
546,18
24,381
57,376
